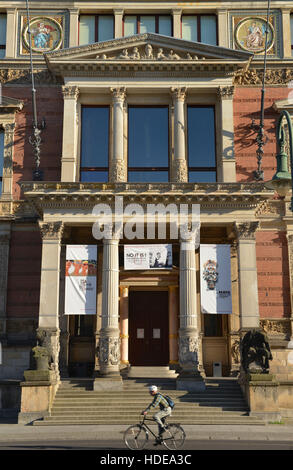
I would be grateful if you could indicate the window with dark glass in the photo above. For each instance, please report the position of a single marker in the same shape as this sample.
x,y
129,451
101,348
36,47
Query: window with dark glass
x,y
138,24
1,157
291,27
199,28
94,161
148,144
201,144
95,28
213,325
2,35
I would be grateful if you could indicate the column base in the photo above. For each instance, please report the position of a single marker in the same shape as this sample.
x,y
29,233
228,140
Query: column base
x,y
114,382
190,381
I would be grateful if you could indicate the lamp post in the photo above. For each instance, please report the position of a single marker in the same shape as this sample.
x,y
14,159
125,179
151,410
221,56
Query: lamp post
x,y
282,179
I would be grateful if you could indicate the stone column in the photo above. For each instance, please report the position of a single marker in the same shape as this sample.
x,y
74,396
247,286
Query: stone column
x,y
226,161
177,23
48,332
118,22
124,325
117,165
109,344
287,51
73,27
248,288
173,326
5,230
11,32
69,170
190,377
179,173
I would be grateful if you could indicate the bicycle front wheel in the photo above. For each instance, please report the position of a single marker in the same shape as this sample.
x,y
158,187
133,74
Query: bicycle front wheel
x,y
174,437
135,437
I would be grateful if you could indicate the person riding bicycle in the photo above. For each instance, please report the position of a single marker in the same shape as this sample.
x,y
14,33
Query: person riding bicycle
x,y
165,409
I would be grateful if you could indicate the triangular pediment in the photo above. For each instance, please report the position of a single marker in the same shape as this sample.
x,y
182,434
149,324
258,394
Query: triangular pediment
x,y
145,48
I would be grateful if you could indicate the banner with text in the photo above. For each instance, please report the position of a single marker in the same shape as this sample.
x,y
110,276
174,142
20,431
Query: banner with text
x,y
148,257
215,279
81,280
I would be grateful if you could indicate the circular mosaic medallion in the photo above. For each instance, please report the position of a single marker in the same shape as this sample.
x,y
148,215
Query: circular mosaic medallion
x,y
46,34
250,35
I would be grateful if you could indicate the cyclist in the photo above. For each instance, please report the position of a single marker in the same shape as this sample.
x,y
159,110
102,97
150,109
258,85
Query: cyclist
x,y
165,409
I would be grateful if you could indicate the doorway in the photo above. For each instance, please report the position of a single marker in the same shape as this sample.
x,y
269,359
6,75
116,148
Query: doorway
x,y
148,328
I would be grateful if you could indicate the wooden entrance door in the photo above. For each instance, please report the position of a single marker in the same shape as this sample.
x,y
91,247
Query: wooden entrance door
x,y
148,328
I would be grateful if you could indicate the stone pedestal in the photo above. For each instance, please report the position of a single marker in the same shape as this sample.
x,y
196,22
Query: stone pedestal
x,y
261,392
37,395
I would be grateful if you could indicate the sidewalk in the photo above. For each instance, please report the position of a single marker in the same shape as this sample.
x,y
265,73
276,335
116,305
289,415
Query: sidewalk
x,y
20,432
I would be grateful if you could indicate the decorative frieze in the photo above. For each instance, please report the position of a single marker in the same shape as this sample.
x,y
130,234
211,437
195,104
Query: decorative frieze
x,y
280,76
280,328
23,77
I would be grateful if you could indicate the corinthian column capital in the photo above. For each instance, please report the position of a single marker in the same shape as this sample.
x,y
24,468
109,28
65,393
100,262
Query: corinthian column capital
x,y
51,230
70,92
118,94
179,94
246,230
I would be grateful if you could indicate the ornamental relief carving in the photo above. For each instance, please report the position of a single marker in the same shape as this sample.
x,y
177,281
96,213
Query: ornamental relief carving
x,y
109,351
269,208
118,171
22,76
180,170
255,77
188,350
51,230
276,327
148,52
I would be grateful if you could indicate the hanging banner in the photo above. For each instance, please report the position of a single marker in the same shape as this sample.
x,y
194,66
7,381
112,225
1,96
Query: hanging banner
x,y
81,280
215,279
148,257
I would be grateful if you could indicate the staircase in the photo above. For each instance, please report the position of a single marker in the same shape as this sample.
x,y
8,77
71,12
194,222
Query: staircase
x,y
76,403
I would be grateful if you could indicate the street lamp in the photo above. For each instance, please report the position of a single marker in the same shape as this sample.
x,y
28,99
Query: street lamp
x,y
282,179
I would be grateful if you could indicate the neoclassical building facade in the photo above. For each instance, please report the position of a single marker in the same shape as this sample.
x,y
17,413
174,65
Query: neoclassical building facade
x,y
156,103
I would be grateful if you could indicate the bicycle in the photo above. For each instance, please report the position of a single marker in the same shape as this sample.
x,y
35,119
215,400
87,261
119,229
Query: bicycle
x,y
137,435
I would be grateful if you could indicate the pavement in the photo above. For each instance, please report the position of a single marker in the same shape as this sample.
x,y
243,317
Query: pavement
x,y
20,432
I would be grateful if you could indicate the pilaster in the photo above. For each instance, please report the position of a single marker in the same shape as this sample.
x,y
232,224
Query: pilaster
x,y
286,26
73,27
118,13
176,13
248,286
11,32
69,169
226,161
5,233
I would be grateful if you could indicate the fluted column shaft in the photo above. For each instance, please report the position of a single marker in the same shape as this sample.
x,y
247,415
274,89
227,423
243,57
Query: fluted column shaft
x,y
109,348
179,164
118,170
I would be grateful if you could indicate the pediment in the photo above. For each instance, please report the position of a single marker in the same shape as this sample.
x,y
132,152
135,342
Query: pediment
x,y
143,49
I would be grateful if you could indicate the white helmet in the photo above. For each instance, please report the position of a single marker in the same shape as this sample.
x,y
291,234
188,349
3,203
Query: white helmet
x,y
153,388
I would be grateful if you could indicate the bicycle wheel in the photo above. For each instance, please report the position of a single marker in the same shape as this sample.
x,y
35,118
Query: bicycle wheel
x,y
174,437
135,437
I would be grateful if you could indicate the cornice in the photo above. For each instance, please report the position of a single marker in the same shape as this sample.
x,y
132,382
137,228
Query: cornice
x,y
211,196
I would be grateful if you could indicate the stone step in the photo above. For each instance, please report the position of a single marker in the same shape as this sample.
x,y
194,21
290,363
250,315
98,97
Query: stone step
x,y
93,412
202,421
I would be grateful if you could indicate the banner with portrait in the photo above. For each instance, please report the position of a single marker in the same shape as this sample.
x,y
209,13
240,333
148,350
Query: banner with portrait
x,y
81,280
147,257
215,279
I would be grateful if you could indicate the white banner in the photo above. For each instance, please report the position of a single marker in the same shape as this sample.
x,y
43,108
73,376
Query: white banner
x,y
215,279
148,257
81,280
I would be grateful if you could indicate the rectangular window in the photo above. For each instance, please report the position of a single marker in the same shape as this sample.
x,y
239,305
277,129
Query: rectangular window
x,y
138,24
1,157
201,144
199,28
213,325
95,28
2,35
148,144
94,143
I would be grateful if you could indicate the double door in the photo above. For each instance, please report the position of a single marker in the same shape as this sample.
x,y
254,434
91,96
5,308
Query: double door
x,y
148,328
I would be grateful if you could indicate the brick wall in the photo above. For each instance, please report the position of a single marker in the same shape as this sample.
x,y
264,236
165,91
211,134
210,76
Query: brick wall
x,y
273,274
50,107
246,108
